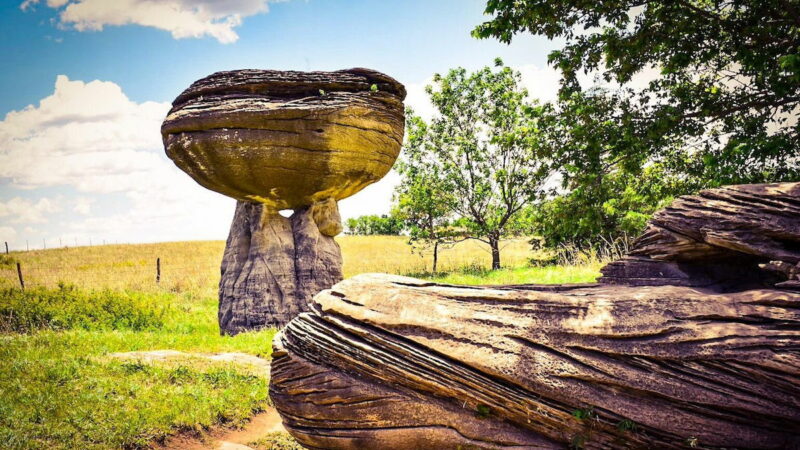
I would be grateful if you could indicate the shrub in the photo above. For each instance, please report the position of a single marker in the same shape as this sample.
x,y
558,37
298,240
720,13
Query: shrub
x,y
68,307
7,261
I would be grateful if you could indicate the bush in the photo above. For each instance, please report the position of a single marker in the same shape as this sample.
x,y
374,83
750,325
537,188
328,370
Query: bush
x,y
7,262
69,308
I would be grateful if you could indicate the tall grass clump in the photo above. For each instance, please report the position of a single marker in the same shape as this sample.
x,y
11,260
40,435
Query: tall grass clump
x,y
68,307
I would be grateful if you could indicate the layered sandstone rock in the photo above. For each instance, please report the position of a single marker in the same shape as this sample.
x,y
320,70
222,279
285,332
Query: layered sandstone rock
x,y
278,140
725,239
391,362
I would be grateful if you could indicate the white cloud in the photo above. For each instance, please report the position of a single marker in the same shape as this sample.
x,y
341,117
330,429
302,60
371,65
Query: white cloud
x,y
418,99
182,18
18,210
83,205
542,83
374,199
7,234
27,4
87,135
91,138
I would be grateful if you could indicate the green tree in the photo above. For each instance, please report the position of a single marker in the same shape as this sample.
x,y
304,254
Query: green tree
x,y
481,148
609,186
424,200
729,83
373,224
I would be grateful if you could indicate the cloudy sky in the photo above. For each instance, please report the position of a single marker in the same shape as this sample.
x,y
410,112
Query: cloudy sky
x,y
86,83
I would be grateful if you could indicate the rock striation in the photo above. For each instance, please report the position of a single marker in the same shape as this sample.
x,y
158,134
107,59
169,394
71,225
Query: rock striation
x,y
725,239
277,140
384,361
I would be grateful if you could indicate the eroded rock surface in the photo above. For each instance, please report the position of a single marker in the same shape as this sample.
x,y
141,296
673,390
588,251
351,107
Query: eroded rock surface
x,y
285,138
278,140
721,238
390,362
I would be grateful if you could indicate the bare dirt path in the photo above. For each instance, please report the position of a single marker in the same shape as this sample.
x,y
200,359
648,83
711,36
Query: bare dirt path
x,y
228,439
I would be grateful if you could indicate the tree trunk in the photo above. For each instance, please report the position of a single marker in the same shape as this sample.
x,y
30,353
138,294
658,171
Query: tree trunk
x,y
494,244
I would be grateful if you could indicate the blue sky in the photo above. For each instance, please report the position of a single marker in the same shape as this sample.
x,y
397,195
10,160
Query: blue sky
x,y
81,159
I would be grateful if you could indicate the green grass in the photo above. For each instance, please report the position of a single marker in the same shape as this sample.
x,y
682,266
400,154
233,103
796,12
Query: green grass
x,y
519,275
59,389
69,307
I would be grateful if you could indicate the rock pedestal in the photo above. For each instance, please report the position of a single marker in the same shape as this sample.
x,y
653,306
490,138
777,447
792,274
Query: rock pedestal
x,y
273,266
277,140
383,361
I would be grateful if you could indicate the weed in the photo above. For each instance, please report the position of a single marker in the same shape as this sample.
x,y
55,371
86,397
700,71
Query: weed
x,y
482,411
626,425
578,442
7,262
584,413
68,307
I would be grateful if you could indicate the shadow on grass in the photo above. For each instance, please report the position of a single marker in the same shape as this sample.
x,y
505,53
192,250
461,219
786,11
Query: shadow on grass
x,y
472,269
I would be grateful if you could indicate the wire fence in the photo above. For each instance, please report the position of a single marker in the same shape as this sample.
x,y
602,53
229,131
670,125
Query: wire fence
x,y
195,266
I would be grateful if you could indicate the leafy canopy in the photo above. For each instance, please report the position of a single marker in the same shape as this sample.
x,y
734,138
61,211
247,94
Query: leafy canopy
x,y
478,159
728,82
385,224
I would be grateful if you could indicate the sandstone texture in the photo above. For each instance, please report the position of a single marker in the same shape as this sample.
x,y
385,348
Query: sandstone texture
x,y
383,361
277,140
287,139
727,238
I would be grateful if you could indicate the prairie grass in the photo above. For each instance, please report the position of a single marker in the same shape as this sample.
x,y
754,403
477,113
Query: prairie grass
x,y
59,389
193,266
583,273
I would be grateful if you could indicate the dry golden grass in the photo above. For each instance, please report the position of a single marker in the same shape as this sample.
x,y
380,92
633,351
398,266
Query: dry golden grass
x,y
193,266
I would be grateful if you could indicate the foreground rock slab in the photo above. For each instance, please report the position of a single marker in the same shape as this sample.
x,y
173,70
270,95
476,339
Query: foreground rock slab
x,y
391,362
278,140
692,340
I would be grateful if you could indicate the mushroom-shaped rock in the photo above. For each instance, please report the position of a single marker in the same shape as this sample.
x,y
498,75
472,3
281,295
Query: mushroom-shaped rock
x,y
278,140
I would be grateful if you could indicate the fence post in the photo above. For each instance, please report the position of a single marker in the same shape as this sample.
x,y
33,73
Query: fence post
x,y
6,247
19,273
158,270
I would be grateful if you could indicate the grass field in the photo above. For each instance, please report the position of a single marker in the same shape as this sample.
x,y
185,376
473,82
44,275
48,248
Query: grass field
x,y
194,266
60,387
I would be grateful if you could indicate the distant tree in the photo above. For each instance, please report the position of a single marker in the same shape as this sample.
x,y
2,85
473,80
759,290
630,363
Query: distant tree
x,y
728,89
481,148
375,225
